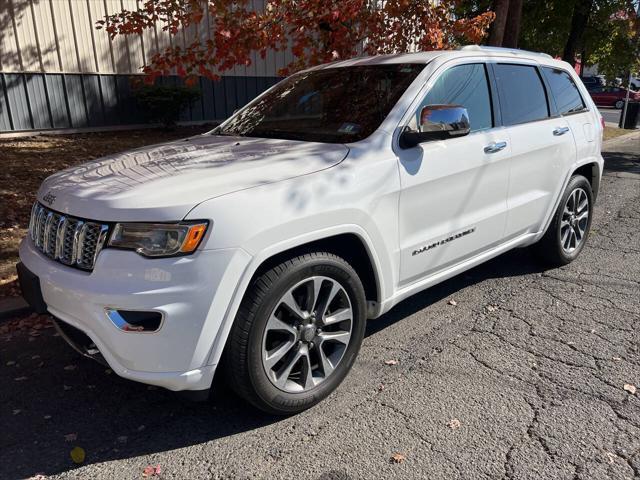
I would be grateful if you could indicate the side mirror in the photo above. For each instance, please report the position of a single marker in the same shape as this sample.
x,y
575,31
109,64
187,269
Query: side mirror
x,y
438,122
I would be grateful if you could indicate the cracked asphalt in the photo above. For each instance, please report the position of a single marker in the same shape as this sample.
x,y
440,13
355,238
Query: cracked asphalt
x,y
522,378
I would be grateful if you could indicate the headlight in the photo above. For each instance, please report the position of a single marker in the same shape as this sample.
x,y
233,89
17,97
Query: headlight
x,y
158,239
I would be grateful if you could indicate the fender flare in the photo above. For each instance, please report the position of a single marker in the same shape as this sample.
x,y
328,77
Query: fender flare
x,y
222,334
574,168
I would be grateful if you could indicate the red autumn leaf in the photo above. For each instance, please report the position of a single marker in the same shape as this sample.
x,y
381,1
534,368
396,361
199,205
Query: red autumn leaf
x,y
315,31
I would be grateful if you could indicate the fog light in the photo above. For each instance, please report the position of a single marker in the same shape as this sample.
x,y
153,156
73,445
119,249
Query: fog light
x,y
135,320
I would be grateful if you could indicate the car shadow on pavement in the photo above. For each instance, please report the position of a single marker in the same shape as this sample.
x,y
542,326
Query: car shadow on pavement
x,y
619,162
514,263
66,401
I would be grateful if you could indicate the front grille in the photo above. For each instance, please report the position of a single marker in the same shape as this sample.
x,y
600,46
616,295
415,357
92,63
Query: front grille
x,y
72,241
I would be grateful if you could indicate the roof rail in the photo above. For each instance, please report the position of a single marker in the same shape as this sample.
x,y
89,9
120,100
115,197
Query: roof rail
x,y
515,51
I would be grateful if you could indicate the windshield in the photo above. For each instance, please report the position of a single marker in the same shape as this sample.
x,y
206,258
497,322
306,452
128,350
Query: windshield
x,y
334,105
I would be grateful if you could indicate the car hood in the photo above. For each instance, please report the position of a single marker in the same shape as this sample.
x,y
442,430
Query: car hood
x,y
163,182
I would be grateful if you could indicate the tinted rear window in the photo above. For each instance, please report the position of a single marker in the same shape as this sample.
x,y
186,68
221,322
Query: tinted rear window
x,y
522,95
565,92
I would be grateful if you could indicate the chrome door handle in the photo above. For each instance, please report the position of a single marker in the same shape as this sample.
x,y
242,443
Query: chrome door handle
x,y
560,131
495,147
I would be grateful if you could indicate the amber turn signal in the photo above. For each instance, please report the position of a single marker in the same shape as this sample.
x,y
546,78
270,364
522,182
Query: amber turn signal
x,y
193,238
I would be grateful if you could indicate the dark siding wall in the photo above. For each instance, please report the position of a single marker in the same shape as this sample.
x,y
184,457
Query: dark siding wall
x,y
41,101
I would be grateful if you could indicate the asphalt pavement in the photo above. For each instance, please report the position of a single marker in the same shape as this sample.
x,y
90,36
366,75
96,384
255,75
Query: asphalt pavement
x,y
506,371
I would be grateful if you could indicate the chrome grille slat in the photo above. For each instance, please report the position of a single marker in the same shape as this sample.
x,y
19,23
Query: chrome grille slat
x,y
77,246
60,236
71,241
40,221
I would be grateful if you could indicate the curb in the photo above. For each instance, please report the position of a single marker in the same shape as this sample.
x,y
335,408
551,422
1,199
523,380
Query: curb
x,y
12,307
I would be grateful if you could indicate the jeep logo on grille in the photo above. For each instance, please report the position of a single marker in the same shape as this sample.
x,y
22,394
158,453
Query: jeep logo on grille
x,y
49,198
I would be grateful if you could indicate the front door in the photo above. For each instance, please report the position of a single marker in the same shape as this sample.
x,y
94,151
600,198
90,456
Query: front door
x,y
453,197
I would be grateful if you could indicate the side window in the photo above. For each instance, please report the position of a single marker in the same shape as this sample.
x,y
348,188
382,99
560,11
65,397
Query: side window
x,y
565,92
522,95
464,85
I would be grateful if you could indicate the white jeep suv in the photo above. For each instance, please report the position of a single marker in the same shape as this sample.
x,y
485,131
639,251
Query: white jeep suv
x,y
263,246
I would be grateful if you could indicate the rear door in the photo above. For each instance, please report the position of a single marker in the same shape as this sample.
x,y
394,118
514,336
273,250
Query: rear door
x,y
542,146
568,102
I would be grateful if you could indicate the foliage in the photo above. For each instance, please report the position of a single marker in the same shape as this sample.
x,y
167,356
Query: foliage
x,y
616,44
317,31
546,25
164,104
611,37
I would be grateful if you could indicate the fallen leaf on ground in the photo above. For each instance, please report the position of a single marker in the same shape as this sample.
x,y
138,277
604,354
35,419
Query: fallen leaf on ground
x,y
630,388
397,458
616,359
453,302
381,387
491,308
10,362
70,437
67,387
70,367
47,417
151,471
20,379
454,424
77,454
391,362
16,411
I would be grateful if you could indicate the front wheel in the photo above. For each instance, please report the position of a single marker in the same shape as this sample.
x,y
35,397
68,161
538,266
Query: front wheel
x,y
567,234
619,104
297,333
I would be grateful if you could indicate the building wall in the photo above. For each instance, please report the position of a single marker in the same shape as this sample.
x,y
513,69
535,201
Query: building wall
x,y
58,71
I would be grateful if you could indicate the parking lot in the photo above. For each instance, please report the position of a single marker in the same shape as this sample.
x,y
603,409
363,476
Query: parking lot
x,y
508,371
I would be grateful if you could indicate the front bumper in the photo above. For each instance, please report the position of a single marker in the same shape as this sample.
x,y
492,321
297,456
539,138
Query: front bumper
x,y
191,292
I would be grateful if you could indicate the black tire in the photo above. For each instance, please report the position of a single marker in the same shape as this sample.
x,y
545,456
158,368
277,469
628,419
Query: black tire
x,y
242,360
549,248
619,104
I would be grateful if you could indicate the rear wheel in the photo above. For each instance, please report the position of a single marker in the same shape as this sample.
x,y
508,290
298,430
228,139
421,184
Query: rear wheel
x,y
567,234
297,333
619,104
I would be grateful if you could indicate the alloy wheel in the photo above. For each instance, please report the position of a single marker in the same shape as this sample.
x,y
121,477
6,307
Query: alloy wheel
x,y
575,219
307,334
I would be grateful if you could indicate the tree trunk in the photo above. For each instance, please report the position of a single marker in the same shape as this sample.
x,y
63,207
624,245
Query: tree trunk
x,y
583,61
512,28
579,20
496,32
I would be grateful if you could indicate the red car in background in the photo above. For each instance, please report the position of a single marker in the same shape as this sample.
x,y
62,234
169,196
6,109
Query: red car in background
x,y
611,96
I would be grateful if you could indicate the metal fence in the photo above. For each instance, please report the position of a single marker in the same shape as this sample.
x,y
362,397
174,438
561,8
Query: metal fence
x,y
57,71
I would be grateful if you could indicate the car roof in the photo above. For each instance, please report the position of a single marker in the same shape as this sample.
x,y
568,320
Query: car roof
x,y
427,57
